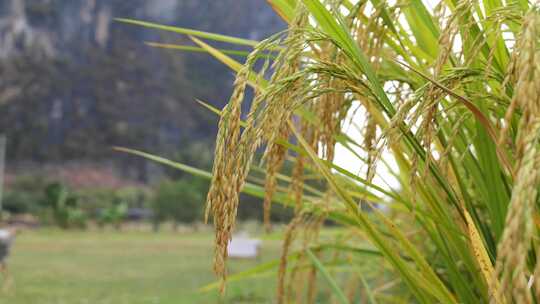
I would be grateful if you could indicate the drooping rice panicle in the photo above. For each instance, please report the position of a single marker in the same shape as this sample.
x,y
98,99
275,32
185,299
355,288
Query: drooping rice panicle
x,y
235,148
274,161
288,238
514,246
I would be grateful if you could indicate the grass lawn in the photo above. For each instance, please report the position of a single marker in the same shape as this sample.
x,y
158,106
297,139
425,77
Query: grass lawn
x,y
57,267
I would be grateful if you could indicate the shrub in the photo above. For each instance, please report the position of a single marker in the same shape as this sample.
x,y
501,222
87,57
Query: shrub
x,y
179,201
24,195
114,214
94,200
64,206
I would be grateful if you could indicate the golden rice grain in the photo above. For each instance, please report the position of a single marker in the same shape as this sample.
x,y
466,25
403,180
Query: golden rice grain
x,y
514,245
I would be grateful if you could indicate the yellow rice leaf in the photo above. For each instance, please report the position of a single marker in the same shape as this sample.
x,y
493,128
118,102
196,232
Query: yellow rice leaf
x,y
481,255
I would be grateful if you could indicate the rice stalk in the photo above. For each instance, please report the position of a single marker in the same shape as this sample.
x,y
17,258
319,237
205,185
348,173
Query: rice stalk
x,y
447,145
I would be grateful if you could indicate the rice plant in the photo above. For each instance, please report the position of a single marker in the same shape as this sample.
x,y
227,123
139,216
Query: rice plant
x,y
444,99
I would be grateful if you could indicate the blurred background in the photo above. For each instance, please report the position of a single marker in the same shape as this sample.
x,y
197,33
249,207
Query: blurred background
x,y
102,226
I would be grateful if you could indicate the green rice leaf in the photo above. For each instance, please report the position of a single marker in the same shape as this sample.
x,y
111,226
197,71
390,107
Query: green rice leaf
x,y
327,277
190,32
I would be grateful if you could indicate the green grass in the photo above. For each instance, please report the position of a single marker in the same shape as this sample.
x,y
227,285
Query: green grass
x,y
51,266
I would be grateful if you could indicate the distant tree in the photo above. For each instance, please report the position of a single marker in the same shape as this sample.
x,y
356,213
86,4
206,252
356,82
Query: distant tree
x,y
180,201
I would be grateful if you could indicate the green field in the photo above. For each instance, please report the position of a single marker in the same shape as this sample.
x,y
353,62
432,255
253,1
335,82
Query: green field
x,y
125,267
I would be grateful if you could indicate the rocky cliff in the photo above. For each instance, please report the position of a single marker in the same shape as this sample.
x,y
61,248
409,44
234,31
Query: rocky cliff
x,y
74,82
